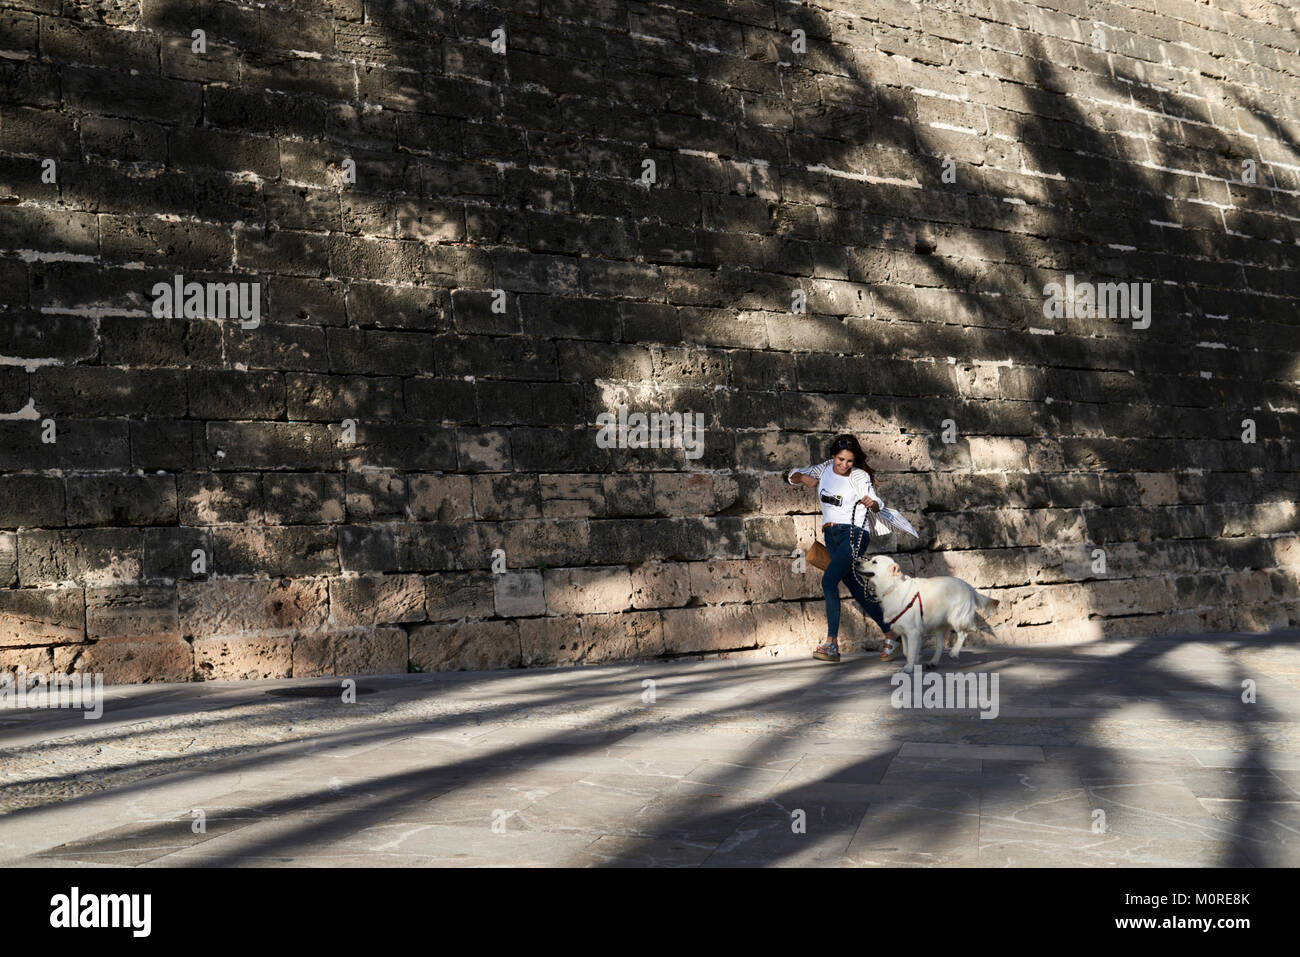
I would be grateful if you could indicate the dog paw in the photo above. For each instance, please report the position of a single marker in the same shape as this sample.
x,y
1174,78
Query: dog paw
x,y
907,669
953,654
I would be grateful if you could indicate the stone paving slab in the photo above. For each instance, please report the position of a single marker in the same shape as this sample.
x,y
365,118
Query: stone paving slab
x,y
730,763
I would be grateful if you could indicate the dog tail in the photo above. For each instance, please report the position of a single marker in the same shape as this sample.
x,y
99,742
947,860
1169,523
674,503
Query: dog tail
x,y
982,602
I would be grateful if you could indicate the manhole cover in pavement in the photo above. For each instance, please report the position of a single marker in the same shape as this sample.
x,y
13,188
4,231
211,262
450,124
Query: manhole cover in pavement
x,y
315,691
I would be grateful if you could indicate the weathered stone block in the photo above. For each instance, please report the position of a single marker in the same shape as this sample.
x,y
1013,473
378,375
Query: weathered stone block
x,y
629,494
35,501
546,642
1059,605
272,445
424,446
781,623
1157,488
519,594
376,599
660,585
466,646
999,454
1131,596
483,450
376,651
376,352
454,595
233,607
770,537
32,660
275,551
98,556
236,394
42,616
218,498
678,494
176,553
337,397
441,498
708,629
312,655
572,496
8,559
582,591
300,498
130,660
720,582
552,542
132,611
368,548
506,496
376,494
633,634
437,546
243,657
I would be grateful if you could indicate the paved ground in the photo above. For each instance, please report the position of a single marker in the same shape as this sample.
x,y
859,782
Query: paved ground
x,y
580,767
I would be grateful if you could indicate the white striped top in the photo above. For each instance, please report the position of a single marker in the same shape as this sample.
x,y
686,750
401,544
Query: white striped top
x,y
837,493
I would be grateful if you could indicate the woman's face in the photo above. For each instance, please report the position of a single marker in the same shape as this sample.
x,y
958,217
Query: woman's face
x,y
843,462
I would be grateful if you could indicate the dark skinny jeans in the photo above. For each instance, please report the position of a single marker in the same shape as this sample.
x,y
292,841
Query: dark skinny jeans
x,y
839,546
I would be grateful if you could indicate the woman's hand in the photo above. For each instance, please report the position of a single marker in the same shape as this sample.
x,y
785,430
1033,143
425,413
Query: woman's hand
x,y
806,480
871,503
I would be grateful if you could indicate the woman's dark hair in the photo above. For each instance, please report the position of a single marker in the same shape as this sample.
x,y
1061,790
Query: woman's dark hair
x,y
849,442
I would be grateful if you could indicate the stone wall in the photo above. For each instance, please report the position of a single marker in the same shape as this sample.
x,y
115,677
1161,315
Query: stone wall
x,y
461,258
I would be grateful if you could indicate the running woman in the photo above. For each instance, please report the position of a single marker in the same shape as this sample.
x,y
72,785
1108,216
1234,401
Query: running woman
x,y
842,481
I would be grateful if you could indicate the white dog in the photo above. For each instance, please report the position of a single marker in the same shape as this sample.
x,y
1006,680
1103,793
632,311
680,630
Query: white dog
x,y
924,606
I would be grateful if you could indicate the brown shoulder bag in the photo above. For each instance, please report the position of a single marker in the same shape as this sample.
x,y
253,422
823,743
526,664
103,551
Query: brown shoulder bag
x,y
817,555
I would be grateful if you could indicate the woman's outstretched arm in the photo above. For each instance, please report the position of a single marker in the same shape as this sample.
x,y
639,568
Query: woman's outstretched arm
x,y
808,476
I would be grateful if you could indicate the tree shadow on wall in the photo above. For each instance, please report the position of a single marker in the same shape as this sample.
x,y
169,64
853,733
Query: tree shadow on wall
x,y
822,173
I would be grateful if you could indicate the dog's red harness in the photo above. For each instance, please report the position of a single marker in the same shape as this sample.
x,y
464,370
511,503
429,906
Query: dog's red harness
x,y
916,600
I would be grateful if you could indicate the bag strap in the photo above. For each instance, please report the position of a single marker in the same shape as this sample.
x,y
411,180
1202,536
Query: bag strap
x,y
818,528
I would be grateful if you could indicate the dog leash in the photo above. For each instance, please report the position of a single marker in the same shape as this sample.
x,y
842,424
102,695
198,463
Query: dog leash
x,y
854,549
